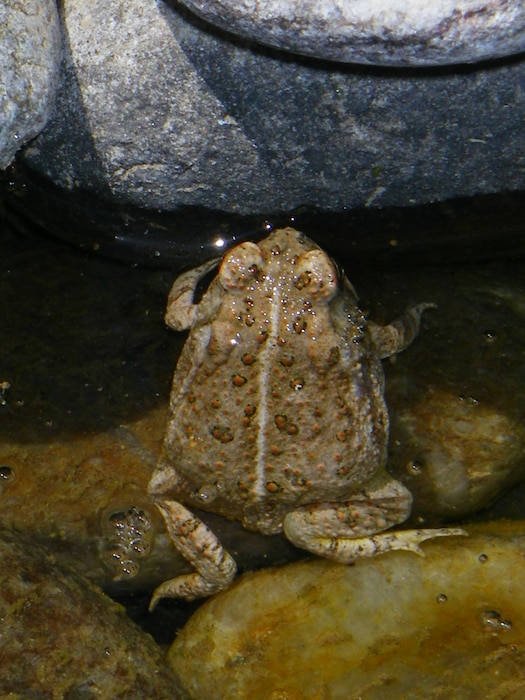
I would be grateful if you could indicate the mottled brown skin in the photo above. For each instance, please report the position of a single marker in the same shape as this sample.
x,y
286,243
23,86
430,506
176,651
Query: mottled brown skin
x,y
277,415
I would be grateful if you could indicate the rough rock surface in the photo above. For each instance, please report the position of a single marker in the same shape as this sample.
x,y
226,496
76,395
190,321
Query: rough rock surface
x,y
168,112
62,638
384,32
398,626
29,59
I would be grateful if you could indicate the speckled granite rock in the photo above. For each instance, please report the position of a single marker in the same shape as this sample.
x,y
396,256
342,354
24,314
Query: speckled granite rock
x,y
169,113
62,638
398,626
30,52
384,32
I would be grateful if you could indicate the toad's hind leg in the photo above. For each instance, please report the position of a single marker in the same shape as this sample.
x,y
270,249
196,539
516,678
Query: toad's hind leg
x,y
195,542
347,531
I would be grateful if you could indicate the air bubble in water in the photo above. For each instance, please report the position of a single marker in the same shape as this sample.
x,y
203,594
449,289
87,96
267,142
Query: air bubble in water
x,y
6,473
128,533
128,569
140,547
490,618
118,520
206,493
414,467
115,553
491,621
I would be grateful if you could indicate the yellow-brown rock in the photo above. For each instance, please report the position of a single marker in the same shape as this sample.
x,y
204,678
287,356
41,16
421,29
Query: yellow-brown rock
x,y
450,625
62,638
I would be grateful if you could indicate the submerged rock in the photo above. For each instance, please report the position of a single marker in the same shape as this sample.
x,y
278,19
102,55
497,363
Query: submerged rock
x,y
457,405
398,626
62,638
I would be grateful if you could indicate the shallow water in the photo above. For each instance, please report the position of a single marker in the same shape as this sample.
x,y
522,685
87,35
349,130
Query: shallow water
x,y
86,361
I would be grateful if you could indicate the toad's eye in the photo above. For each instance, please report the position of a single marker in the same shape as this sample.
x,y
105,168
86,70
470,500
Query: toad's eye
x,y
316,275
241,266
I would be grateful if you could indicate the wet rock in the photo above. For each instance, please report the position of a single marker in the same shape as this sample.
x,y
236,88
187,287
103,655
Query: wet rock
x,y
383,33
398,626
62,638
86,500
148,128
30,58
167,106
456,405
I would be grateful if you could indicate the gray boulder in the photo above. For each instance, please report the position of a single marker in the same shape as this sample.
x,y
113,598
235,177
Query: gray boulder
x,y
29,60
381,32
162,111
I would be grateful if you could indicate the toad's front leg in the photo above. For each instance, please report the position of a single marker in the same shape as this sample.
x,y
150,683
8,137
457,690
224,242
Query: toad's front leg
x,y
181,311
347,531
195,542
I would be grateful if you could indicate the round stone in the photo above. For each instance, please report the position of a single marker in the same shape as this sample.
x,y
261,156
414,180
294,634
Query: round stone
x,y
377,32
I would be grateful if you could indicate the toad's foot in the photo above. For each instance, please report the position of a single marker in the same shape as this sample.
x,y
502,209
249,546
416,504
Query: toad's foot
x,y
196,543
398,335
348,551
342,545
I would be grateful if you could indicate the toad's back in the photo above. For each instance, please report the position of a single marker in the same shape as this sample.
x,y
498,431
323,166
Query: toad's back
x,y
278,394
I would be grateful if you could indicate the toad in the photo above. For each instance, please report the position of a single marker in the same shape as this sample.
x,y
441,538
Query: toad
x,y
277,414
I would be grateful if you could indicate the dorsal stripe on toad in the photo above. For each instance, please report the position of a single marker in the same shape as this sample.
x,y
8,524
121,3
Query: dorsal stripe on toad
x,y
265,360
